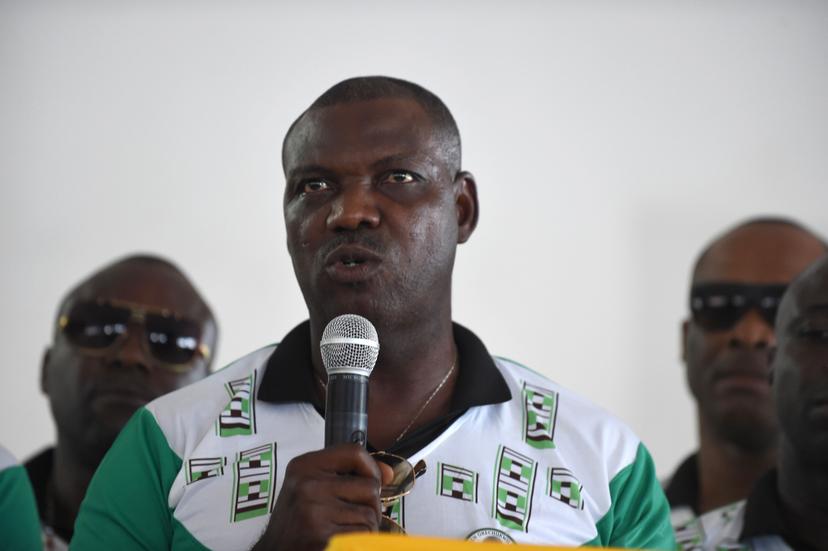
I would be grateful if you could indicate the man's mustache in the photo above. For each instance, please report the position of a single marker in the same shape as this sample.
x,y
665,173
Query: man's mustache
x,y
362,238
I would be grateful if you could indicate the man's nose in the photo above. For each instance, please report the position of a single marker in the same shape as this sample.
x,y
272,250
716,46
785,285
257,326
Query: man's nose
x,y
354,206
130,350
752,331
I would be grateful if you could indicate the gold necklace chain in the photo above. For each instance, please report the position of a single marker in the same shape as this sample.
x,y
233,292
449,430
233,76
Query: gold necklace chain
x,y
422,408
430,398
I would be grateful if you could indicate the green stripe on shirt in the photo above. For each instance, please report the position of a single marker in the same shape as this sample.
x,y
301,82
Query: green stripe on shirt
x,y
138,470
19,523
639,515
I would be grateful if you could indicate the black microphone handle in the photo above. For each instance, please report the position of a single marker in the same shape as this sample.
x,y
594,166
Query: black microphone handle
x,y
346,409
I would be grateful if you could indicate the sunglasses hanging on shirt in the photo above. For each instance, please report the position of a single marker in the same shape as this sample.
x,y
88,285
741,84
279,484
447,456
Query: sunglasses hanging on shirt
x,y
97,326
720,306
401,484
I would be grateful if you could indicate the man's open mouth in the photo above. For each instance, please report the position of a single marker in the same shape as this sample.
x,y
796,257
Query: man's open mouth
x,y
351,264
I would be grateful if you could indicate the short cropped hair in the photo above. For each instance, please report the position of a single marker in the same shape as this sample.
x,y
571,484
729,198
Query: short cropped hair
x,y
382,87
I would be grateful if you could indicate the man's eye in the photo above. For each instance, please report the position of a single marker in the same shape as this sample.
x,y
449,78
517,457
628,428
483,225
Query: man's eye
x,y
313,186
400,177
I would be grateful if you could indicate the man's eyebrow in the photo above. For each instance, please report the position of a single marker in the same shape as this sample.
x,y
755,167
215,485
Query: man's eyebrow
x,y
304,169
400,157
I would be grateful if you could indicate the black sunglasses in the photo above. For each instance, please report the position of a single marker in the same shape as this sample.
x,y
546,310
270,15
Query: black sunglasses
x,y
719,306
96,326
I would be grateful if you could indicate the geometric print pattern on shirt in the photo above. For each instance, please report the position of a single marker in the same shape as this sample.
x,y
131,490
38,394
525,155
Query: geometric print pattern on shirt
x,y
539,416
457,483
578,488
563,486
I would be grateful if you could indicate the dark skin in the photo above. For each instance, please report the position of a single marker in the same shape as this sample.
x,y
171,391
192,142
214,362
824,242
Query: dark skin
x,y
727,371
93,396
374,209
801,390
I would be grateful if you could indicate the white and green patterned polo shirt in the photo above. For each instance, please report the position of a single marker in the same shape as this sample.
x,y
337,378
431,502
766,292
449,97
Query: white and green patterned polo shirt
x,y
201,467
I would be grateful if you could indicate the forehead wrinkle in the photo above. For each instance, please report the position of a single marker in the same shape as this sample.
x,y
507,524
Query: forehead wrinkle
x,y
430,157
437,136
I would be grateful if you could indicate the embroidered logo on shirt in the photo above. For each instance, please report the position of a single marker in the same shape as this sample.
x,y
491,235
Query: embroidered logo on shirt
x,y
514,484
490,534
253,482
562,485
239,417
204,467
540,411
457,482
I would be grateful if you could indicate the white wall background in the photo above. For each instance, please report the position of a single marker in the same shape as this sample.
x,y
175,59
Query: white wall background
x,y
610,140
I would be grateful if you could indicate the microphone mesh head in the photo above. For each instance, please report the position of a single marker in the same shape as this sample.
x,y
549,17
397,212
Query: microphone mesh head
x,y
349,345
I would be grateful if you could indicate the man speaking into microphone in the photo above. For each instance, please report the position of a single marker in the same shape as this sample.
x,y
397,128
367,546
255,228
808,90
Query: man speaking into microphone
x,y
375,205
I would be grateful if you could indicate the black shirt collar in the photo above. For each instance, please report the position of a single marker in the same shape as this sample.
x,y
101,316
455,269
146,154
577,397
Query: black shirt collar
x,y
39,469
289,376
683,487
762,509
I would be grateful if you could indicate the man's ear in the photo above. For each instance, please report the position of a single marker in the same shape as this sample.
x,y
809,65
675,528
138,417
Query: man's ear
x,y
468,209
44,370
685,325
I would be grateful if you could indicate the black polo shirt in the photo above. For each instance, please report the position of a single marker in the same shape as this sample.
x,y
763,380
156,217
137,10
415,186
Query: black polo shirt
x,y
682,489
39,469
289,378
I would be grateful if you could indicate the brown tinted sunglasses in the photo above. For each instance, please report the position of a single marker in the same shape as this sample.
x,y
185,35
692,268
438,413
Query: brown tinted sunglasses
x,y
96,326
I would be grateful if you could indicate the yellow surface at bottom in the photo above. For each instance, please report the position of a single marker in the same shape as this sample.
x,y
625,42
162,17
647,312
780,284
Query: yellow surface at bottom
x,y
386,542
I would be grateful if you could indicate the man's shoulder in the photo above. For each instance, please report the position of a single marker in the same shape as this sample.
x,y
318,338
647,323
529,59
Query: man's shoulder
x,y
526,383
560,418
579,444
184,414
238,369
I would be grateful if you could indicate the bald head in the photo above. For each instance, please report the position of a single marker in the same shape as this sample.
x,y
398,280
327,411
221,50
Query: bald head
x,y
365,89
760,250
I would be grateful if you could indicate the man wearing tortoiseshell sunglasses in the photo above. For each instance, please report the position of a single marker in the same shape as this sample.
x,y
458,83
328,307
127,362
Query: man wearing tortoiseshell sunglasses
x,y
127,334
736,287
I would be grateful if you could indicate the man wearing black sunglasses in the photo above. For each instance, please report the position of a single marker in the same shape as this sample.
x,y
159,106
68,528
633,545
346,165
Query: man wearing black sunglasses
x,y
787,508
127,334
737,284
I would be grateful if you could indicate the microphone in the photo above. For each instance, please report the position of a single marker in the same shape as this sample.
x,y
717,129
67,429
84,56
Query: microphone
x,y
349,348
